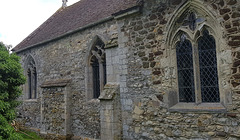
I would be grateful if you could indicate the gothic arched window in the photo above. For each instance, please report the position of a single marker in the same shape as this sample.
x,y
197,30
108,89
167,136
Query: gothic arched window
x,y
194,64
98,68
208,68
31,79
185,71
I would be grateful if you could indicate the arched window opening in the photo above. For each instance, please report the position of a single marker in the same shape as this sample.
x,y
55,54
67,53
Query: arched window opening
x,y
98,66
35,83
29,84
32,79
96,77
185,71
197,69
208,68
201,88
104,70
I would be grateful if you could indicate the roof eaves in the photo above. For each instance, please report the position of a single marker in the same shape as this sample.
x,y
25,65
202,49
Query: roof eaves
x,y
117,15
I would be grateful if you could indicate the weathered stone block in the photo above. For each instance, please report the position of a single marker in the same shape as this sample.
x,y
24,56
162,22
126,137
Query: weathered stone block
x,y
138,27
151,36
157,82
236,63
232,30
232,2
234,43
176,2
226,17
224,11
145,64
235,14
221,3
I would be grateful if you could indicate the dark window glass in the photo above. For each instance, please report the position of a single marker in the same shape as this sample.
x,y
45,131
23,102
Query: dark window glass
x,y
96,78
208,68
35,83
98,64
32,79
29,84
105,72
185,71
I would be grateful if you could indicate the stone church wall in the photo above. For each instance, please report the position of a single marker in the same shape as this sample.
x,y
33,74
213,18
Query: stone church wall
x,y
66,59
143,64
146,94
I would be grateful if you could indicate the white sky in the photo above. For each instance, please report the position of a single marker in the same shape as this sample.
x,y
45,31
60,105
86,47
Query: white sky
x,y
20,17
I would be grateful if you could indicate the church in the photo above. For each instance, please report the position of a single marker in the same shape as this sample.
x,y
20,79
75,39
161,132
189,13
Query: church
x,y
134,70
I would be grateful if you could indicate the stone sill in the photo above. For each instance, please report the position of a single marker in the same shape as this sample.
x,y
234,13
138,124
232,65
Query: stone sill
x,y
30,100
201,108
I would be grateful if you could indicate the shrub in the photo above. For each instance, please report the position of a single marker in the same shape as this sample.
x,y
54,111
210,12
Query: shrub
x,y
11,78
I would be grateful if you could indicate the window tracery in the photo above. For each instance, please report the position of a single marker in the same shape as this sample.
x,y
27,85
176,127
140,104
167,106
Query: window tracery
x,y
31,79
193,64
98,65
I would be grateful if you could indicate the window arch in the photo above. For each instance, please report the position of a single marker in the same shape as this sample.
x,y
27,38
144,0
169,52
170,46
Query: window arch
x,y
208,68
96,70
31,79
185,71
195,23
195,62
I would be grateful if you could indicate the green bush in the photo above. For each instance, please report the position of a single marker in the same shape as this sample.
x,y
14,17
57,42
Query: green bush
x,y
28,135
11,78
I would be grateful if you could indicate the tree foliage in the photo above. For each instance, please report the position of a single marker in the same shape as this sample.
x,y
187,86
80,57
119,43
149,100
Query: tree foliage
x,y
11,77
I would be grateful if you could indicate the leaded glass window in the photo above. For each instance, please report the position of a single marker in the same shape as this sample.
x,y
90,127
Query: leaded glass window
x,y
194,64
185,71
208,68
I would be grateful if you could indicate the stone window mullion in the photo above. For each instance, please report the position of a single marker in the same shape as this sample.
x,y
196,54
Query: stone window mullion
x,y
196,69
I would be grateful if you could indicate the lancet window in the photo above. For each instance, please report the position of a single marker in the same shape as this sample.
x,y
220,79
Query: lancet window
x,y
31,79
98,66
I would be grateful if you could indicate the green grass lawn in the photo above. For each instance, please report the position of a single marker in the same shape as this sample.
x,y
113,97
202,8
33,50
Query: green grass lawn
x,y
29,135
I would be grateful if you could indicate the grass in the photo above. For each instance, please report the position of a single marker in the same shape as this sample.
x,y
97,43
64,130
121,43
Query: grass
x,y
28,135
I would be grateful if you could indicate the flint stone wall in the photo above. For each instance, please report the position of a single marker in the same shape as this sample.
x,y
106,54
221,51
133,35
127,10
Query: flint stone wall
x,y
151,80
143,65
66,59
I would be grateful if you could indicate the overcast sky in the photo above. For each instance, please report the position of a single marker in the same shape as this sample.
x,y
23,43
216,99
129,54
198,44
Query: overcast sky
x,y
18,18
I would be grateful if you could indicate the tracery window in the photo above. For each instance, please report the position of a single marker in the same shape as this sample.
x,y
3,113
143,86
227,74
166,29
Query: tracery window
x,y
31,79
194,64
98,66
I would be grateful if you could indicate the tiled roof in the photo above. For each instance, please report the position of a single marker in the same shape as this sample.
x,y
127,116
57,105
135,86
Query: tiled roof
x,y
74,17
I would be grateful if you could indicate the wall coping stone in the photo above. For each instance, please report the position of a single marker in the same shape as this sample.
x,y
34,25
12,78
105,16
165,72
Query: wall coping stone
x,y
109,91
